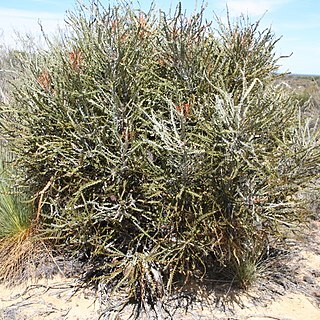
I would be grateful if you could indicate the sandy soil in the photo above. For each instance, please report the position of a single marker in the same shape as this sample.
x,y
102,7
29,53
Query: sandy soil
x,y
290,291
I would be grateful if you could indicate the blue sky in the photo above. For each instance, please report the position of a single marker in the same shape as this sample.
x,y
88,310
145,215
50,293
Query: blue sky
x,y
296,21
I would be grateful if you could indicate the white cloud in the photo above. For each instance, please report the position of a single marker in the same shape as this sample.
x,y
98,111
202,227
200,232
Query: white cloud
x,y
23,22
24,14
253,7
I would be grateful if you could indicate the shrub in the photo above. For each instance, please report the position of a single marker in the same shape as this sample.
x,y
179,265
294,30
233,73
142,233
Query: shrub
x,y
158,145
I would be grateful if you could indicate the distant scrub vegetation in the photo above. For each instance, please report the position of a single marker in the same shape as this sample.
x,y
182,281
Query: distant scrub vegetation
x,y
157,147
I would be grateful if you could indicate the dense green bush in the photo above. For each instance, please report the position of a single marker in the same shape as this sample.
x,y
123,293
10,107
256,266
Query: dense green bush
x,y
157,146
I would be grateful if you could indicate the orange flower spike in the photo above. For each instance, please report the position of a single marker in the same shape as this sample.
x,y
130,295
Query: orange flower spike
x,y
76,59
124,37
174,33
161,62
184,109
114,25
44,81
127,135
142,22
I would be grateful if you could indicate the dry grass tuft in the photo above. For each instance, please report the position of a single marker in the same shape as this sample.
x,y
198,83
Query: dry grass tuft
x,y
19,254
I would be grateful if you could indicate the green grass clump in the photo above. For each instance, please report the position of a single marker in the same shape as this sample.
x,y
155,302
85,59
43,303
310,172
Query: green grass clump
x,y
158,146
15,213
17,246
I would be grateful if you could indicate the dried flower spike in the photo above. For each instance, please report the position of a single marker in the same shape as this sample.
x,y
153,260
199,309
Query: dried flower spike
x,y
142,25
76,59
114,26
127,135
142,22
184,109
44,80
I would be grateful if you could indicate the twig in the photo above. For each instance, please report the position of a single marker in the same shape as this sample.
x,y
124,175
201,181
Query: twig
x,y
26,290
264,316
41,193
51,256
3,96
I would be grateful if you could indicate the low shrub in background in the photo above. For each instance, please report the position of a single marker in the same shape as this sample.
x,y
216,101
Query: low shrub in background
x,y
158,147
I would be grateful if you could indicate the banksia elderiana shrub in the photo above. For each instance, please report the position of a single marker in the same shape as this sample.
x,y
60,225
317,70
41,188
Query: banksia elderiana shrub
x,y
160,145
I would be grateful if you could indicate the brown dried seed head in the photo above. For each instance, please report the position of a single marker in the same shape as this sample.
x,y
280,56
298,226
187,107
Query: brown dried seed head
x,y
76,59
142,22
184,109
127,135
44,81
161,62
114,25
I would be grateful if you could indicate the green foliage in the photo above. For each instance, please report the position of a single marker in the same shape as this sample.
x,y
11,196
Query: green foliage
x,y
17,246
158,145
15,213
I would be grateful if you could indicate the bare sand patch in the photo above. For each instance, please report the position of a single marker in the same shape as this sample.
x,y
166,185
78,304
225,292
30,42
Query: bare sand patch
x,y
292,292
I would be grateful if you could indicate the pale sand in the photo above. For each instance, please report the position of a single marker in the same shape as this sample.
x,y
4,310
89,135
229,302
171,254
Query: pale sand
x,y
299,299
